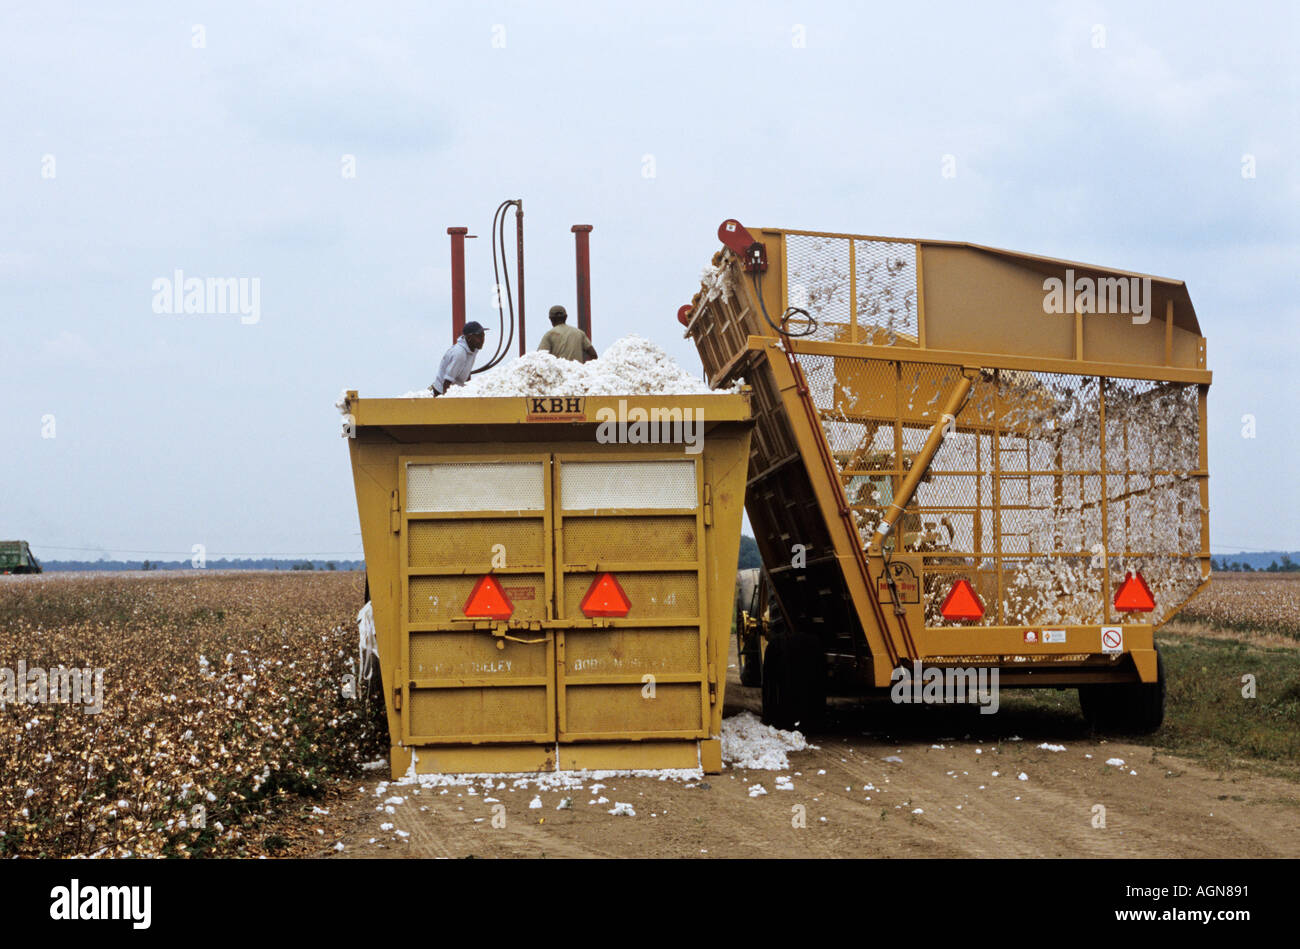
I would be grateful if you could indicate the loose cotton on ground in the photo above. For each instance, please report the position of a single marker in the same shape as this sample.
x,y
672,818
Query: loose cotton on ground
x,y
748,743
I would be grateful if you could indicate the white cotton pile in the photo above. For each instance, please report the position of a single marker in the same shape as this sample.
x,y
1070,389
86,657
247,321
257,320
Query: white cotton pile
x,y
539,780
716,282
629,366
748,743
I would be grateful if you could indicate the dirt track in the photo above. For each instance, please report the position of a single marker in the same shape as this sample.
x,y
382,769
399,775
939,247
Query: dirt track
x,y
941,801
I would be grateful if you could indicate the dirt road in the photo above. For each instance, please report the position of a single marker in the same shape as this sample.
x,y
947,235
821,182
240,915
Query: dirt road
x,y
879,784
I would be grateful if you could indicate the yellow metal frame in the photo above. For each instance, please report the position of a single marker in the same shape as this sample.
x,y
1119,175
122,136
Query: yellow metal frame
x,y
404,681
390,434
735,341
706,671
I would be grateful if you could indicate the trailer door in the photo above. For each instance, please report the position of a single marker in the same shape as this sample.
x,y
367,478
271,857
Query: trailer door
x,y
639,520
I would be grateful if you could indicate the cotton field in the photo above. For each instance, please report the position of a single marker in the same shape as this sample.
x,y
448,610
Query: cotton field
x,y
222,696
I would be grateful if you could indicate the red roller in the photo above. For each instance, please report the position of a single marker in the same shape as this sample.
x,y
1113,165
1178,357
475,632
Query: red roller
x,y
457,280
583,251
741,243
732,233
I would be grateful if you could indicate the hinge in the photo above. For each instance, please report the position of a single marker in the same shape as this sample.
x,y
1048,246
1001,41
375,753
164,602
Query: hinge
x,y
397,698
713,683
394,514
708,505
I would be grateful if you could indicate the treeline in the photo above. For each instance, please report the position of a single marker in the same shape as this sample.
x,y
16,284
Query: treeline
x,y
263,563
1285,565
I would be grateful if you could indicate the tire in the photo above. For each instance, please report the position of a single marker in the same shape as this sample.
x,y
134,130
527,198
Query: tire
x,y
749,656
1133,708
750,659
794,682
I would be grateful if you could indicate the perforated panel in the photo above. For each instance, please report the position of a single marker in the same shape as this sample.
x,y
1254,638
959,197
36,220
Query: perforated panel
x,y
475,486
626,651
441,599
473,654
592,485
653,595
473,544
478,712
631,539
625,708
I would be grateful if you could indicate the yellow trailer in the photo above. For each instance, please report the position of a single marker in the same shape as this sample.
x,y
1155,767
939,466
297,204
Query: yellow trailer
x,y
964,458
551,578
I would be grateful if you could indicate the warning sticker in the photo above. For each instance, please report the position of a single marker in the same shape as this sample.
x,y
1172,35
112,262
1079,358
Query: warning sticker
x,y
521,593
1112,639
1031,636
1053,635
905,582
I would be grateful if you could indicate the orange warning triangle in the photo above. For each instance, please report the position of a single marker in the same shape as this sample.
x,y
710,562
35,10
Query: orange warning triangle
x,y
1134,596
605,598
962,603
488,601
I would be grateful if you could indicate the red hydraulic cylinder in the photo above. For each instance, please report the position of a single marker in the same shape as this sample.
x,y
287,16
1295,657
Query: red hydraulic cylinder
x,y
583,250
457,280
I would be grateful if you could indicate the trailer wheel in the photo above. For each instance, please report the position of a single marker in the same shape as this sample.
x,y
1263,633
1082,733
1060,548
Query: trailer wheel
x,y
749,650
1136,708
794,682
749,656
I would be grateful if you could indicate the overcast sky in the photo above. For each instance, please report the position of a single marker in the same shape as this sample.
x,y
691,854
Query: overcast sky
x,y
210,138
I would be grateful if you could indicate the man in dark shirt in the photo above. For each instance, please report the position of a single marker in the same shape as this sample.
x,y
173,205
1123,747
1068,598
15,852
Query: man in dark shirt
x,y
564,341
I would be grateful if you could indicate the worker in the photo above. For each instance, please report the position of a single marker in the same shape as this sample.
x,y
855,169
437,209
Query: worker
x,y
458,361
564,341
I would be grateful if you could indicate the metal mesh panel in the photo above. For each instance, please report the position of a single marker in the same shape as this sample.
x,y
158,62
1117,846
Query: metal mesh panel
x,y
638,539
817,280
591,485
886,291
475,486
1025,498
862,291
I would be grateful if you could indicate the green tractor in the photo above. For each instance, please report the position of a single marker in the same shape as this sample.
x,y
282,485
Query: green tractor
x,y
17,557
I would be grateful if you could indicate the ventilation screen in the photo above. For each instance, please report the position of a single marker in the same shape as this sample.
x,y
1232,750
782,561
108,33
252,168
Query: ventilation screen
x,y
589,485
476,486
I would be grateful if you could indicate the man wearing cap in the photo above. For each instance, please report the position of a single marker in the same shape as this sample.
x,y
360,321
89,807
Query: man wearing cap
x,y
564,341
458,361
